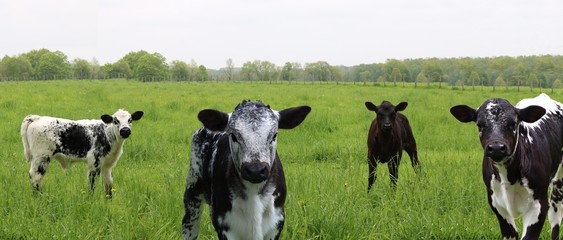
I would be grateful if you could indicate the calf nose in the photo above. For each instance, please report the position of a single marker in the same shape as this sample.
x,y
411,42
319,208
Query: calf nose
x,y
255,172
125,132
496,151
387,126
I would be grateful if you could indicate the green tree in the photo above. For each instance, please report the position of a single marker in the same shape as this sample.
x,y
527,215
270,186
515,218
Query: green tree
x,y
533,80
557,84
82,69
229,70
364,76
421,77
151,67
432,71
15,67
322,71
392,65
34,56
265,70
96,70
202,73
179,70
287,72
500,82
53,65
474,78
396,75
120,69
248,70
132,59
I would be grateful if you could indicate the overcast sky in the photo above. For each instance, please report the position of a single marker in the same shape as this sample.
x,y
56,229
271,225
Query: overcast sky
x,y
346,32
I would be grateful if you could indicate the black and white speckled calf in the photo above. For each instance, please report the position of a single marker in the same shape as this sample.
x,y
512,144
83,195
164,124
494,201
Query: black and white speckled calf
x,y
522,156
99,143
235,168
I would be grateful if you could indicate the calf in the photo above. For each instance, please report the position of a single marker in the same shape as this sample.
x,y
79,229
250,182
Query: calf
x,y
389,134
99,143
235,169
522,156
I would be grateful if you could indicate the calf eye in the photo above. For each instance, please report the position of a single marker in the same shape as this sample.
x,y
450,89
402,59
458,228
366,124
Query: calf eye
x,y
130,120
233,138
115,121
274,138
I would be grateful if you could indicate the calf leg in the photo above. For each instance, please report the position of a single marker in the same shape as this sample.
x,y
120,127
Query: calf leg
x,y
93,173
193,196
555,212
37,172
393,166
534,218
108,181
372,175
413,154
507,226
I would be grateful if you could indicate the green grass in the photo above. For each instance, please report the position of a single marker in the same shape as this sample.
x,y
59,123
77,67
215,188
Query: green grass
x,y
324,160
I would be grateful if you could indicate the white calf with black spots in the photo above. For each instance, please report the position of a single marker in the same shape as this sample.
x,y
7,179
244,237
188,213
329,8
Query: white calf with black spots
x,y
99,143
235,169
522,158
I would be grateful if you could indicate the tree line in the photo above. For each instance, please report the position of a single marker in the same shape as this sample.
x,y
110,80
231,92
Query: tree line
x,y
543,71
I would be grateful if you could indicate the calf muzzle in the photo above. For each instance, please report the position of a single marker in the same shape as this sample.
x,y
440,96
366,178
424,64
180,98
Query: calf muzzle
x,y
255,172
125,132
496,150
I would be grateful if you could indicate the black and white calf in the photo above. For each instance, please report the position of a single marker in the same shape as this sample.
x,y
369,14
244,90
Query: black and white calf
x,y
522,156
99,143
235,168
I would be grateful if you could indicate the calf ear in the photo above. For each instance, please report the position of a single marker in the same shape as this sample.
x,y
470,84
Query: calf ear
x,y
402,106
213,120
370,106
292,117
137,115
464,113
531,114
107,118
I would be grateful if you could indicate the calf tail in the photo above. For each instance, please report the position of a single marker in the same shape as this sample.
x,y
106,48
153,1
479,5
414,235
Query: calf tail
x,y
25,124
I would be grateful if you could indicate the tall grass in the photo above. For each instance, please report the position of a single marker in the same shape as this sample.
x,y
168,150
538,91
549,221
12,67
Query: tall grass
x,y
324,160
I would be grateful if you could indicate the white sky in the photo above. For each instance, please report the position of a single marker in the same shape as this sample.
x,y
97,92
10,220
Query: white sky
x,y
346,33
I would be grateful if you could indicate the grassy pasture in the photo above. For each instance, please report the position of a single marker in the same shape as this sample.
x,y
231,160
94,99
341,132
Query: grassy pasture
x,y
324,160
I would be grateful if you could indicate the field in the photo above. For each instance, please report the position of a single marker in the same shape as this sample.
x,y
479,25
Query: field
x,y
324,160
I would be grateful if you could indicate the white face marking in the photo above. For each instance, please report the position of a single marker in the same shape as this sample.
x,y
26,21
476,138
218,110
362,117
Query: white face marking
x,y
122,119
253,131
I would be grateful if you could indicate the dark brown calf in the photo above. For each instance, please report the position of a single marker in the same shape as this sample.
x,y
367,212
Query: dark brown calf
x,y
390,134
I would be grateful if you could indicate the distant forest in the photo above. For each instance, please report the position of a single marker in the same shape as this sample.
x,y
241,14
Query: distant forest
x,y
545,71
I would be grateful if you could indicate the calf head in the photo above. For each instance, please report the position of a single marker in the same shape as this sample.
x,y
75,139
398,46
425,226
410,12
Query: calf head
x,y
253,129
386,114
121,122
498,122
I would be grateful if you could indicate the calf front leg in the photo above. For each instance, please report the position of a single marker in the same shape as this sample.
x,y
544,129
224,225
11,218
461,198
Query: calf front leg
x,y
108,182
534,218
413,155
192,205
372,175
193,197
37,172
393,166
93,173
555,213
507,226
